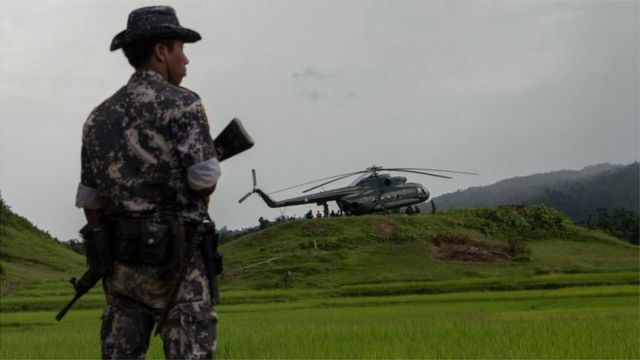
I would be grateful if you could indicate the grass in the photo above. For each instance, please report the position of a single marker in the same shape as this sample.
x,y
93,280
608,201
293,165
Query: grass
x,y
52,295
556,323
335,252
366,287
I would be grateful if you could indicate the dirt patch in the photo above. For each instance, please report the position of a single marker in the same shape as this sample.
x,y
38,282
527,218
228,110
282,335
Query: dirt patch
x,y
315,228
384,229
463,248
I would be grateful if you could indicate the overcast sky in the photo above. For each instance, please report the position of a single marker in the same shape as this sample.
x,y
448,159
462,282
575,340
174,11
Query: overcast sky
x,y
500,88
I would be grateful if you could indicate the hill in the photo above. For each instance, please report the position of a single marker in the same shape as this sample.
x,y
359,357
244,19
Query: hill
x,y
505,248
29,255
577,193
500,243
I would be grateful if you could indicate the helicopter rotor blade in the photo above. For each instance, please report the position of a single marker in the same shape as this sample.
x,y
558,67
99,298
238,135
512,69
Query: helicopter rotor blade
x,y
373,169
420,172
340,178
439,170
315,181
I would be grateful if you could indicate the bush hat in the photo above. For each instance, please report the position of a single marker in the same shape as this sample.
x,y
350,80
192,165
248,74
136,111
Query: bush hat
x,y
153,22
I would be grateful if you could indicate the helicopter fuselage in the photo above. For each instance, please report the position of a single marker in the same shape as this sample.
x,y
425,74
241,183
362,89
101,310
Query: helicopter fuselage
x,y
380,193
371,194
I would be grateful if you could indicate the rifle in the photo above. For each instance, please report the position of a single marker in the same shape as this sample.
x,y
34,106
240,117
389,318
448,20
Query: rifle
x,y
232,140
99,260
82,286
204,232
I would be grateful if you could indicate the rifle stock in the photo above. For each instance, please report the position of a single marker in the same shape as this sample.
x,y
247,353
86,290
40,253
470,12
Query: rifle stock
x,y
232,140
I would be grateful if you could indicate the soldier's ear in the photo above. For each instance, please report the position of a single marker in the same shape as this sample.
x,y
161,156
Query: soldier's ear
x,y
160,52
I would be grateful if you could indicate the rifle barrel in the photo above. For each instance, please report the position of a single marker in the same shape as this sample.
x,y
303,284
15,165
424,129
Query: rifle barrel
x,y
64,310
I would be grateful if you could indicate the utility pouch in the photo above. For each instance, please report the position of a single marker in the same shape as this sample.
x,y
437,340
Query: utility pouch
x,y
127,234
155,238
142,241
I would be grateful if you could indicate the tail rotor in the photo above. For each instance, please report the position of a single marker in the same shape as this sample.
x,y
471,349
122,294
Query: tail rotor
x,y
253,173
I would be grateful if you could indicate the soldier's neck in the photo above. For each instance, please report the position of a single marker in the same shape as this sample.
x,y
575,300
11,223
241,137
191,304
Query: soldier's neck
x,y
157,68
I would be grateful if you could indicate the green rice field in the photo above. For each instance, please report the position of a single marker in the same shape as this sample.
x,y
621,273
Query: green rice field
x,y
585,322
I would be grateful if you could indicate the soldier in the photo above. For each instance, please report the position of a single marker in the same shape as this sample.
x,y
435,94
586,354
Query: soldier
x,y
148,169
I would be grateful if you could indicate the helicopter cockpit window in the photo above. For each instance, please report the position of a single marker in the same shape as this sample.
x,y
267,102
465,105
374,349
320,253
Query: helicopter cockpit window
x,y
360,179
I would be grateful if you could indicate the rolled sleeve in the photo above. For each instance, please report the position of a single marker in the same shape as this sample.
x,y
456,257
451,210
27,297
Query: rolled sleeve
x,y
87,198
204,175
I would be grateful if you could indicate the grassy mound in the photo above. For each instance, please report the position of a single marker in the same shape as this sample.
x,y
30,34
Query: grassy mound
x,y
345,251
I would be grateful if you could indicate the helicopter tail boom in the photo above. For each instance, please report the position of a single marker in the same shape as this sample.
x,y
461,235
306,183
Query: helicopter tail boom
x,y
269,201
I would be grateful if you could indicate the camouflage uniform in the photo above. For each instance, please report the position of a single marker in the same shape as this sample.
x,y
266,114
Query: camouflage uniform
x,y
144,151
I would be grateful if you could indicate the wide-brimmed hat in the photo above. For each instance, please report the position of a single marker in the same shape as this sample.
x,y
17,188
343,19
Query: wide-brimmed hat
x,y
153,22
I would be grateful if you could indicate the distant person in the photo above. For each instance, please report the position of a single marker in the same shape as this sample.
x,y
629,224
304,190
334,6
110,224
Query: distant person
x,y
263,222
409,210
309,214
433,207
416,210
333,213
148,168
318,214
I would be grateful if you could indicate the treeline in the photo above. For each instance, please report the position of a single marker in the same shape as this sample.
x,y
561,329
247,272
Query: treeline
x,y
621,223
582,195
227,235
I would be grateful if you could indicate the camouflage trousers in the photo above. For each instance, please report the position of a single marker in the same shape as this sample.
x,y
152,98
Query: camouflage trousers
x,y
135,300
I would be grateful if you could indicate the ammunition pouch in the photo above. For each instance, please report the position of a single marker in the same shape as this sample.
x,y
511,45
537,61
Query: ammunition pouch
x,y
210,249
145,241
212,258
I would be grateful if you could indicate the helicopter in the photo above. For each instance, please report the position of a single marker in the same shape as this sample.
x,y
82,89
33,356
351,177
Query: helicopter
x,y
372,192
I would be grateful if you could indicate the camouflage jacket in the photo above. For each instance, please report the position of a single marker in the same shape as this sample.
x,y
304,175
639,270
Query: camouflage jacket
x,y
145,149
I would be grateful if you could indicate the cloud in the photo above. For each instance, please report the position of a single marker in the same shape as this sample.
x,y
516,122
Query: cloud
x,y
310,73
312,94
314,83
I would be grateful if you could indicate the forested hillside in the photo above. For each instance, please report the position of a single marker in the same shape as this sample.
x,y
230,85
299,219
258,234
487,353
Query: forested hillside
x,y
576,193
